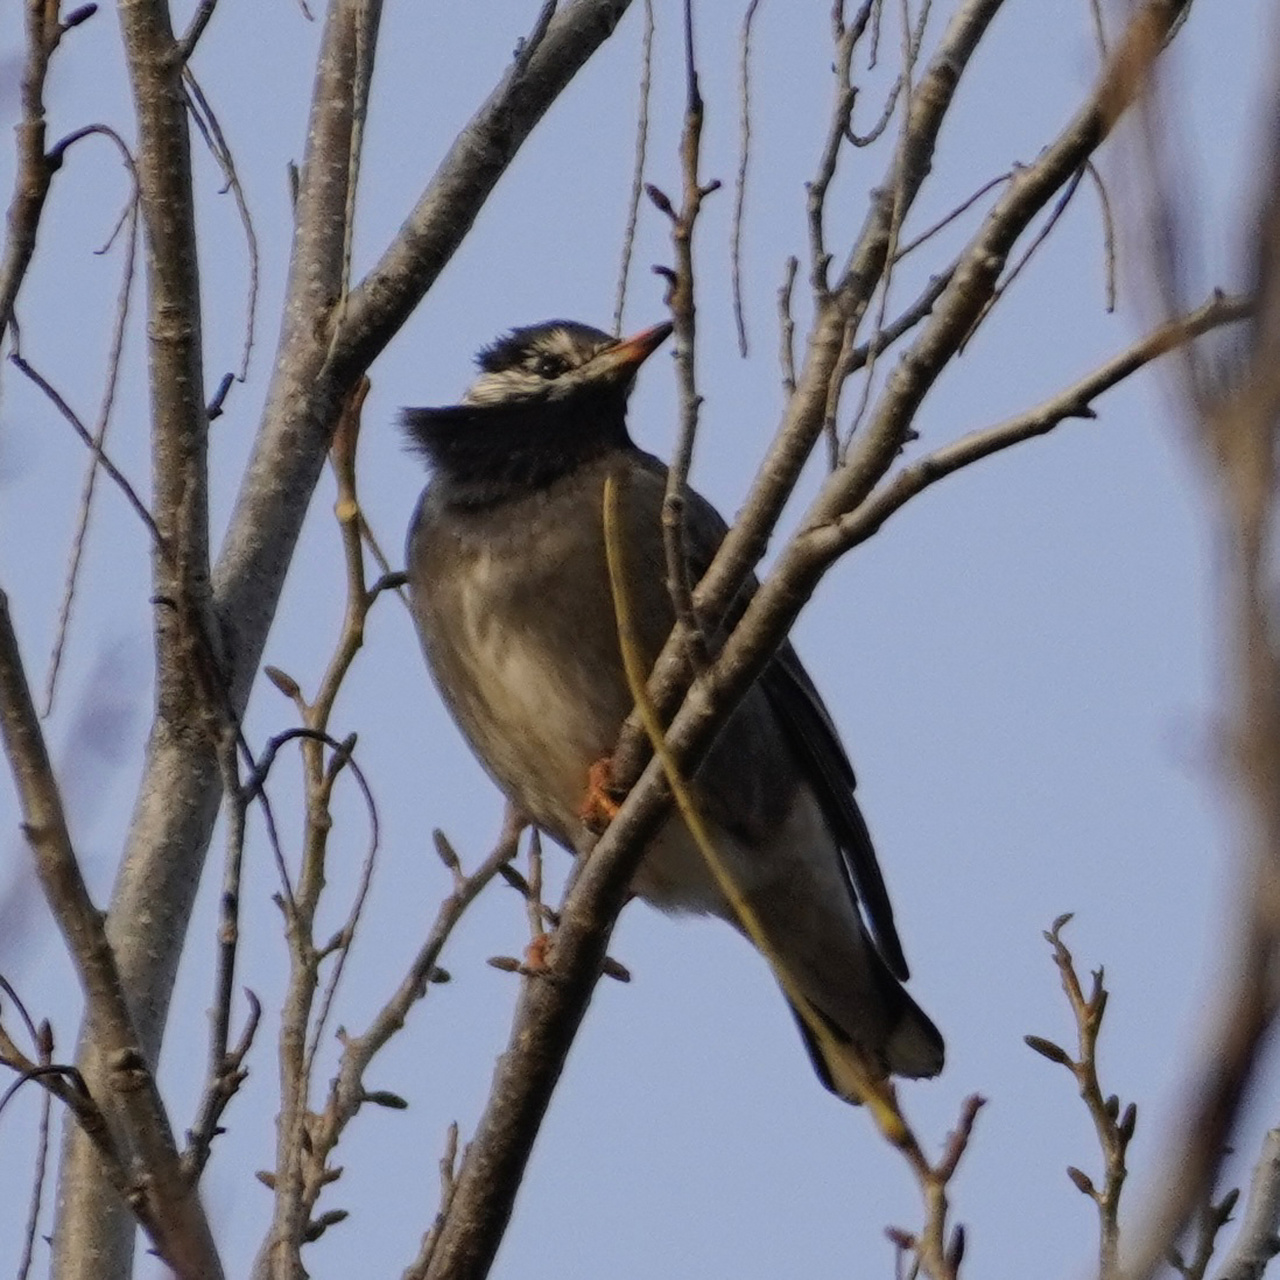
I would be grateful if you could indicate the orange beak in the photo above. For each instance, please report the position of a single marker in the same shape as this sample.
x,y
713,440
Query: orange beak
x,y
629,354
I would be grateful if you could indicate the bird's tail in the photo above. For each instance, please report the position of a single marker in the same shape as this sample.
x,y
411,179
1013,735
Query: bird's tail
x,y
906,1043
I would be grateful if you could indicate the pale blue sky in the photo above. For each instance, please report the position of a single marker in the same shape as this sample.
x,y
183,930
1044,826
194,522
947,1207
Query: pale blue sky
x,y
1023,664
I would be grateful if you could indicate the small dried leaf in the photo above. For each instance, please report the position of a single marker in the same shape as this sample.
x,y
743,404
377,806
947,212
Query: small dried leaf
x,y
1047,1049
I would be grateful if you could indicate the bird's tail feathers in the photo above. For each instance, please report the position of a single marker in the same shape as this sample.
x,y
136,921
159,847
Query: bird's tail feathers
x,y
912,1047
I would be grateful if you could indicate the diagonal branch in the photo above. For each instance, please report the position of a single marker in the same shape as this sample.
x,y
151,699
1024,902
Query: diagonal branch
x,y
546,63
127,1085
1075,401
550,1012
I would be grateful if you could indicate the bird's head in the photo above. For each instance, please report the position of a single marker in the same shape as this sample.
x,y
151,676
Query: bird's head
x,y
559,361
549,397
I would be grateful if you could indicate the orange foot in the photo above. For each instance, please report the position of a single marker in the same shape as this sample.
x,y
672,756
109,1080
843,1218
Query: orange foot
x,y
535,955
599,808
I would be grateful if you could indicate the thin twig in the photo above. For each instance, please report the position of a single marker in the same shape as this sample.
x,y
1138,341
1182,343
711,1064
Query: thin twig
x,y
740,186
85,508
195,29
1114,1129
787,328
1041,235
1108,234
948,218
1210,1221
637,172
681,300
34,170
211,131
225,1071
448,1184
70,416
32,1230
1074,402
912,40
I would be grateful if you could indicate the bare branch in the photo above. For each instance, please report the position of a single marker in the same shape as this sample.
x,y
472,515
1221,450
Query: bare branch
x,y
1258,1240
1210,1221
681,300
740,187
99,436
347,1093
71,417
1236,404
34,170
195,29
479,157
637,174
1075,401
171,1212
1114,1128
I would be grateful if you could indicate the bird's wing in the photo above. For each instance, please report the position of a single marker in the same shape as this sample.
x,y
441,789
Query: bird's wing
x,y
819,754
808,728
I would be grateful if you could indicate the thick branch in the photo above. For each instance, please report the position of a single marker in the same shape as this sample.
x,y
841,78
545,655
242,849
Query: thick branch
x,y
93,1237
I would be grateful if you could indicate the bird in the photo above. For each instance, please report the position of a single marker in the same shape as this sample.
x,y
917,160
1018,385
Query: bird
x,y
511,597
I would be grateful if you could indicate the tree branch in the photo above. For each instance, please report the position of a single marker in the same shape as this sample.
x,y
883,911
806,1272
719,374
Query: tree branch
x,y
1075,401
1258,1240
126,1086
386,297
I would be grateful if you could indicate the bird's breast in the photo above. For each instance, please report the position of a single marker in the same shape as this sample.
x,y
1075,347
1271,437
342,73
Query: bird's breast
x,y
515,617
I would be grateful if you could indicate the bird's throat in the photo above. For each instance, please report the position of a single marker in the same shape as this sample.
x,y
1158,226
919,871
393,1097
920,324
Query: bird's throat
x,y
484,454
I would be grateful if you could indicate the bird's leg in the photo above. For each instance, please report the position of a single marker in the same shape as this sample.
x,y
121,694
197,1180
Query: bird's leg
x,y
535,955
599,808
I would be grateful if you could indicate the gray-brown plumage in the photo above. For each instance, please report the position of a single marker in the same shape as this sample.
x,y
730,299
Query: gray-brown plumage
x,y
511,595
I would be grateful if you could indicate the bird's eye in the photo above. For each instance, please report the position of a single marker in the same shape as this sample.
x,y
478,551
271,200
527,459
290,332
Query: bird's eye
x,y
548,366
